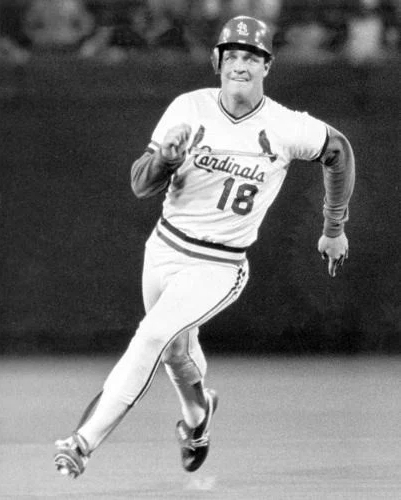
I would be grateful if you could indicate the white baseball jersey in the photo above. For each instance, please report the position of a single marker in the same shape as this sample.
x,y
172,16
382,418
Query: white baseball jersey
x,y
234,167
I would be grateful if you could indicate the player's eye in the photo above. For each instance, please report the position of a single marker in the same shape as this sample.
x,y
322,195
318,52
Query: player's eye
x,y
228,56
253,58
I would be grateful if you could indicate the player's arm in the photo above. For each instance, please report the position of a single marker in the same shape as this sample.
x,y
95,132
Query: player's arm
x,y
150,174
339,179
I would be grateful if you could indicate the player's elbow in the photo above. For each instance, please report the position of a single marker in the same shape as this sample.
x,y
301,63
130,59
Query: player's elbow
x,y
142,189
339,153
138,185
138,191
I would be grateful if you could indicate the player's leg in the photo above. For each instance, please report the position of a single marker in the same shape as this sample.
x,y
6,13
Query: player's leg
x,y
186,365
105,414
183,359
191,297
109,410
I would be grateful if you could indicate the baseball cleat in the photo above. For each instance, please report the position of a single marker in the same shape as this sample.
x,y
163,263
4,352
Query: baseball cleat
x,y
195,442
72,455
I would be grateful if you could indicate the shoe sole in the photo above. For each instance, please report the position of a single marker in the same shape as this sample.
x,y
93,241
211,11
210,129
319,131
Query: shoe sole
x,y
67,465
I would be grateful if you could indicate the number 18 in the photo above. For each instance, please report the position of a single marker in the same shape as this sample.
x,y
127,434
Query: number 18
x,y
243,201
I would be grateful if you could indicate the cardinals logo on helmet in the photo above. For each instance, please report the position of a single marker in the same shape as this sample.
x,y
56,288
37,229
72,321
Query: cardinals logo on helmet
x,y
242,29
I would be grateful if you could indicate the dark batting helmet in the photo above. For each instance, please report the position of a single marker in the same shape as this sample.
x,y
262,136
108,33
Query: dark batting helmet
x,y
243,30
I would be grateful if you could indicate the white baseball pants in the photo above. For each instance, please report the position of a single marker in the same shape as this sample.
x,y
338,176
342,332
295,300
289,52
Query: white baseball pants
x,y
181,292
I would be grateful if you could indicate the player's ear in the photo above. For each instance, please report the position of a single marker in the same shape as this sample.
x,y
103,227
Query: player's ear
x,y
268,64
215,58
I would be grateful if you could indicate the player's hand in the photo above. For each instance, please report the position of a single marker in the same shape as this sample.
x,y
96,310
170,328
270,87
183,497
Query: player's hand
x,y
335,250
175,142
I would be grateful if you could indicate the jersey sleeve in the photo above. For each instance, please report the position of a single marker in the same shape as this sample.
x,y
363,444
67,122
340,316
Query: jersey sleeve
x,y
309,137
177,112
150,174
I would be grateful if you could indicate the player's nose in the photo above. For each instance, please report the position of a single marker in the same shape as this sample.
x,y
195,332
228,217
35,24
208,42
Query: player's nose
x,y
239,69
239,66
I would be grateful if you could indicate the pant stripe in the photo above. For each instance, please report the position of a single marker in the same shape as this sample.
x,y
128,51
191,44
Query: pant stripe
x,y
205,317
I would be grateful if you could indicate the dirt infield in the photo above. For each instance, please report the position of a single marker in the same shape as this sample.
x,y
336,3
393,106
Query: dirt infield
x,y
286,428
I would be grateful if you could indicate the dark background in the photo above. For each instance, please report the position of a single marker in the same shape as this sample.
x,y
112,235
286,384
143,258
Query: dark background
x,y
72,233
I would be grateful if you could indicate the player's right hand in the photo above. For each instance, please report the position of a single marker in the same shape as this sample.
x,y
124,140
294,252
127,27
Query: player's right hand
x,y
175,142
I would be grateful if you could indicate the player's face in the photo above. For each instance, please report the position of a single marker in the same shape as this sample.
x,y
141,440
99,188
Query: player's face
x,y
242,73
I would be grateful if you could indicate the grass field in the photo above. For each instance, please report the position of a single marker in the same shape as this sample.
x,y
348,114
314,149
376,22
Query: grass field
x,y
286,428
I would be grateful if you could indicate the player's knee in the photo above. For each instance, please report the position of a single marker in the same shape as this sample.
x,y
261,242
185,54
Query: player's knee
x,y
183,370
176,352
174,358
152,338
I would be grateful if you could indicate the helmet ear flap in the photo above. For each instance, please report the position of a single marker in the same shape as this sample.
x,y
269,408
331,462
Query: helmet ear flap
x,y
215,58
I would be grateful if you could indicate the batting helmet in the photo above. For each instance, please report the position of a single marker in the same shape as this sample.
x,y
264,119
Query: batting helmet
x,y
243,30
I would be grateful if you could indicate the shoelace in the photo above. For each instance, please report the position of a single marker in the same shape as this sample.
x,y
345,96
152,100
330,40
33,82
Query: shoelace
x,y
202,441
193,443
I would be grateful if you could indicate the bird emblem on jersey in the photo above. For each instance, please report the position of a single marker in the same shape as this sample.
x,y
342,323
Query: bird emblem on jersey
x,y
265,145
198,137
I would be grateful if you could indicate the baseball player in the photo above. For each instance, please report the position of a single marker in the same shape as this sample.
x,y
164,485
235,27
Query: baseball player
x,y
220,155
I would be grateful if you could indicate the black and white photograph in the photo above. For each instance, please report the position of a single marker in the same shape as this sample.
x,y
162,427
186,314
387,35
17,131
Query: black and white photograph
x,y
200,249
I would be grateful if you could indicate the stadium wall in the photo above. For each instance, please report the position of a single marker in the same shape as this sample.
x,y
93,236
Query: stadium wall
x,y
73,234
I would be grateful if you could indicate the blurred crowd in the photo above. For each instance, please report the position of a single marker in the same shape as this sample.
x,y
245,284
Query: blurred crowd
x,y
112,31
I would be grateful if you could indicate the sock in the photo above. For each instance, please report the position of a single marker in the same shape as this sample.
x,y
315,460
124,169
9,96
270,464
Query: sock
x,y
192,409
193,402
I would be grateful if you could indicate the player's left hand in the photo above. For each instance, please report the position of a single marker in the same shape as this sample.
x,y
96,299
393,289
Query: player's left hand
x,y
335,250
